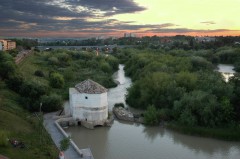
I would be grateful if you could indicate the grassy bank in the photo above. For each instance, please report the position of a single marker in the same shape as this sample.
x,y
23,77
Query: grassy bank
x,y
230,134
21,125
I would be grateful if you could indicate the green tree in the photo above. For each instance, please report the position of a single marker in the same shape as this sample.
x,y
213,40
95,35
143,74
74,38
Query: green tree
x,y
51,103
151,116
56,80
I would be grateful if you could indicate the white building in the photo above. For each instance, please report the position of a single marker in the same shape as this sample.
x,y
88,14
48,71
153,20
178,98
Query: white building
x,y
88,102
1,46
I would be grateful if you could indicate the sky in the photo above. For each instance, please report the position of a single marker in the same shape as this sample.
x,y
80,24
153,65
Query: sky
x,y
104,18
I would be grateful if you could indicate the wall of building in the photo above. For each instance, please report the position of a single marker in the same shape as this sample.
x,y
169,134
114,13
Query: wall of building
x,y
1,46
90,107
8,44
11,45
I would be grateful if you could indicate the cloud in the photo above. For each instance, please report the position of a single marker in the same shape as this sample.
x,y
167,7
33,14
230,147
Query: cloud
x,y
185,30
63,15
108,7
46,17
208,22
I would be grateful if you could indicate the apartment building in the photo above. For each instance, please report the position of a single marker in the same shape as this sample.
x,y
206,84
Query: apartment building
x,y
7,45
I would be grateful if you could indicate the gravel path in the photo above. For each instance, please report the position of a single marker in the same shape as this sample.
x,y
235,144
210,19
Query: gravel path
x,y
57,136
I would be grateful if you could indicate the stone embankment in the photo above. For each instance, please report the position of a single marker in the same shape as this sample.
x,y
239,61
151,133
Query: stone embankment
x,y
123,114
21,55
51,123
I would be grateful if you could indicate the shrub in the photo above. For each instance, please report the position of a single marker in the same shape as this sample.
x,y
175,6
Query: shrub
x,y
53,61
119,105
105,67
151,116
3,138
32,90
39,73
51,103
14,82
64,144
56,80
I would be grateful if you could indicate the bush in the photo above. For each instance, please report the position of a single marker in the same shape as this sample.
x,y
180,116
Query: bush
x,y
105,67
53,61
51,103
151,116
15,82
32,90
117,105
56,80
64,144
3,138
39,73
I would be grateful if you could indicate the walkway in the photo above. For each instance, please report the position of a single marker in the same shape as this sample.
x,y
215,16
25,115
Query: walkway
x,y
57,136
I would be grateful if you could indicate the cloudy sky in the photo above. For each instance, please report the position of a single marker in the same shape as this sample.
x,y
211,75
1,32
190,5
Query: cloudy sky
x,y
92,18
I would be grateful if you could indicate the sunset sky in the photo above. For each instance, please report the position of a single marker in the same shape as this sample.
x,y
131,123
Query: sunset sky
x,y
92,18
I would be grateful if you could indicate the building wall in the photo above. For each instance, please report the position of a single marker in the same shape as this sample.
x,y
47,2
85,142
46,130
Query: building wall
x,y
11,45
1,46
8,45
90,107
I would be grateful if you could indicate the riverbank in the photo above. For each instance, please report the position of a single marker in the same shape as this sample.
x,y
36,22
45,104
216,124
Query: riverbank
x,y
126,115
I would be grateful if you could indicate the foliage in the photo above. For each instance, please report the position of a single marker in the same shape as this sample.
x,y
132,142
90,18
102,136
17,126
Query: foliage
x,y
56,80
64,144
119,105
7,66
151,116
15,82
3,138
183,85
39,73
51,103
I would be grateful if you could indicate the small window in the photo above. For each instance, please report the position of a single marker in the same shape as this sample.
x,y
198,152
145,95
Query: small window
x,y
86,97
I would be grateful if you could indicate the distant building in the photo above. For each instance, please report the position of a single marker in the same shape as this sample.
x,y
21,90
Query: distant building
x,y
1,46
205,39
128,35
7,45
88,103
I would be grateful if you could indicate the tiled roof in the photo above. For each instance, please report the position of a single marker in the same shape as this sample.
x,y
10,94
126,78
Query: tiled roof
x,y
90,87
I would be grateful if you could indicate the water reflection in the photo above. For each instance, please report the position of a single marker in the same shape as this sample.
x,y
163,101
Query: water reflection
x,y
151,133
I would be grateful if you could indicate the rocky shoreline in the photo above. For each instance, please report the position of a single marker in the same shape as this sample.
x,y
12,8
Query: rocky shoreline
x,y
123,114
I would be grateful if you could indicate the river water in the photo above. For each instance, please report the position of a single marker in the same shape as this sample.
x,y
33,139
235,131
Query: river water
x,y
135,141
226,70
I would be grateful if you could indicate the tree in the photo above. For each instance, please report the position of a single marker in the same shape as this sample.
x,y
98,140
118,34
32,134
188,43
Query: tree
x,y
56,80
39,73
15,82
151,116
51,103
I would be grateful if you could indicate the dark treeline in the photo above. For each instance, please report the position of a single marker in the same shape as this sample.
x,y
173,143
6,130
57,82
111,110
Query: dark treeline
x,y
183,86
154,42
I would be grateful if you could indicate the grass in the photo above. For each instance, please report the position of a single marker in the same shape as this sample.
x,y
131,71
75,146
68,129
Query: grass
x,y
23,126
228,133
19,124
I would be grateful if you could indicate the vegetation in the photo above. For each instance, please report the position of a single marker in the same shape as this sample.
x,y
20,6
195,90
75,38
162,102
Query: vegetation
x,y
17,124
40,83
183,87
64,144
119,105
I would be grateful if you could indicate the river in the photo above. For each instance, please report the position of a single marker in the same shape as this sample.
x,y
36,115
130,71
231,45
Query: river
x,y
226,70
135,141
